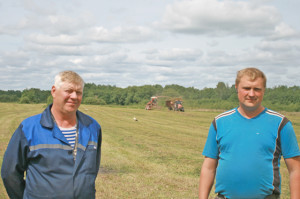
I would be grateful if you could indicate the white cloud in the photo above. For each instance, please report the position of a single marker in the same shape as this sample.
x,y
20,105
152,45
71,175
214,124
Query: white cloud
x,y
220,18
122,34
56,24
284,31
61,39
175,54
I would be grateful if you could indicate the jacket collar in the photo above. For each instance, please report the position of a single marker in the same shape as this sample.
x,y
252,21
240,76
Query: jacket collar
x,y
47,121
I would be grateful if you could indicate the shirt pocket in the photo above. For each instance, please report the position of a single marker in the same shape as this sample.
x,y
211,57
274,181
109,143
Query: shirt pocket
x,y
90,159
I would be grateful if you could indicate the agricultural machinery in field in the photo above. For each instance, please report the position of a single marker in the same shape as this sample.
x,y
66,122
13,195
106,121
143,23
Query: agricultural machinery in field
x,y
171,103
152,103
175,104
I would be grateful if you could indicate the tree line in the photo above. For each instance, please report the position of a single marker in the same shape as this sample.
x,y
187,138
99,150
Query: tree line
x,y
280,98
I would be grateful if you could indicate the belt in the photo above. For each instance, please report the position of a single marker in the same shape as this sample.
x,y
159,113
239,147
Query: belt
x,y
220,196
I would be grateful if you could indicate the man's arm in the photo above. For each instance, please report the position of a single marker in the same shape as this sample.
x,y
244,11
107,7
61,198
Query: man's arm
x,y
293,165
207,176
14,165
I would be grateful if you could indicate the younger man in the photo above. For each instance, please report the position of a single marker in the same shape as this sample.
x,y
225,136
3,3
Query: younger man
x,y
244,147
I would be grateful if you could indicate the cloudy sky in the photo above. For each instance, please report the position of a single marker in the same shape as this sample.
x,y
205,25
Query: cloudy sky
x,y
193,43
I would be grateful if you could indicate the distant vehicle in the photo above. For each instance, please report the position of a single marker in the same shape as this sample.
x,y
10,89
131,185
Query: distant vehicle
x,y
152,103
175,104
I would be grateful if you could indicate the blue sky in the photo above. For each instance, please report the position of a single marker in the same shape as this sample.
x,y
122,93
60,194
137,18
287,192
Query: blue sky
x,y
193,43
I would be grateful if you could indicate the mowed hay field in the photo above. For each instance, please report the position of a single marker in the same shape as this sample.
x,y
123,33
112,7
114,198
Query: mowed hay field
x,y
158,156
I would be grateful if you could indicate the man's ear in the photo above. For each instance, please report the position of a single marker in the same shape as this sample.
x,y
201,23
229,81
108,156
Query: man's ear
x,y
53,89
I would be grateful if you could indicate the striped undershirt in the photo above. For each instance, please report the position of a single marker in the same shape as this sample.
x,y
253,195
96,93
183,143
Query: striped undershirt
x,y
70,134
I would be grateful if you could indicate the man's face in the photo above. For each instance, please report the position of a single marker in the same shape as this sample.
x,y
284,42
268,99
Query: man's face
x,y
68,97
250,93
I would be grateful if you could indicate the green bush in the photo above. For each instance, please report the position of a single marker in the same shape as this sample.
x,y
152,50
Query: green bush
x,y
94,101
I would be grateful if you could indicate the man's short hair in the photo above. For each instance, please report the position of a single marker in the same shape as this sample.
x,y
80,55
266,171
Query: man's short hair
x,y
252,73
68,76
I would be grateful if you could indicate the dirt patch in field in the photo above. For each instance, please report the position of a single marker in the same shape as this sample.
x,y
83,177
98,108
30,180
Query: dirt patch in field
x,y
106,170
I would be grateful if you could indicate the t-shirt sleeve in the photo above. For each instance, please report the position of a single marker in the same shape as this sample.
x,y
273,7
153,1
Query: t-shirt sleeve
x,y
211,146
289,144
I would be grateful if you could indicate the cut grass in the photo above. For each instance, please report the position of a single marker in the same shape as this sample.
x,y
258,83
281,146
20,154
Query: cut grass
x,y
158,156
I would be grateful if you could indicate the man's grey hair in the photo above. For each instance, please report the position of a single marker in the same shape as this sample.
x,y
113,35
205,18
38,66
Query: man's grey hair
x,y
68,76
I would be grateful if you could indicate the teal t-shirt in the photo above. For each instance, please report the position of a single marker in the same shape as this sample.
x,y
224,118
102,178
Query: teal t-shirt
x,y
249,152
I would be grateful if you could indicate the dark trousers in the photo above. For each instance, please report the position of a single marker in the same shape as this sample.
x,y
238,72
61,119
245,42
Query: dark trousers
x,y
273,196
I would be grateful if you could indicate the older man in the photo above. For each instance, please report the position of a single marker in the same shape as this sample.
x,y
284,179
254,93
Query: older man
x,y
59,149
244,147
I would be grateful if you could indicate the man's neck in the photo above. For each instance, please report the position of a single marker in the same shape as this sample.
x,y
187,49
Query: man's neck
x,y
250,112
65,120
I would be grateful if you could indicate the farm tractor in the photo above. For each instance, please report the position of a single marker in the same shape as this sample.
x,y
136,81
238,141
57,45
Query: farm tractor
x,y
175,104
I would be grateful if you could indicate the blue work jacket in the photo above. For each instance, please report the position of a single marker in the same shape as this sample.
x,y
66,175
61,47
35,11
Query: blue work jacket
x,y
39,149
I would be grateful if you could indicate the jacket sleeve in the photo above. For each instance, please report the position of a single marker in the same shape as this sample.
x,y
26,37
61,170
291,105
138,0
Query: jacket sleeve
x,y
15,164
99,149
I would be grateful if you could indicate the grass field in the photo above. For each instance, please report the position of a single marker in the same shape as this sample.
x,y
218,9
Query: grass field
x,y
158,156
